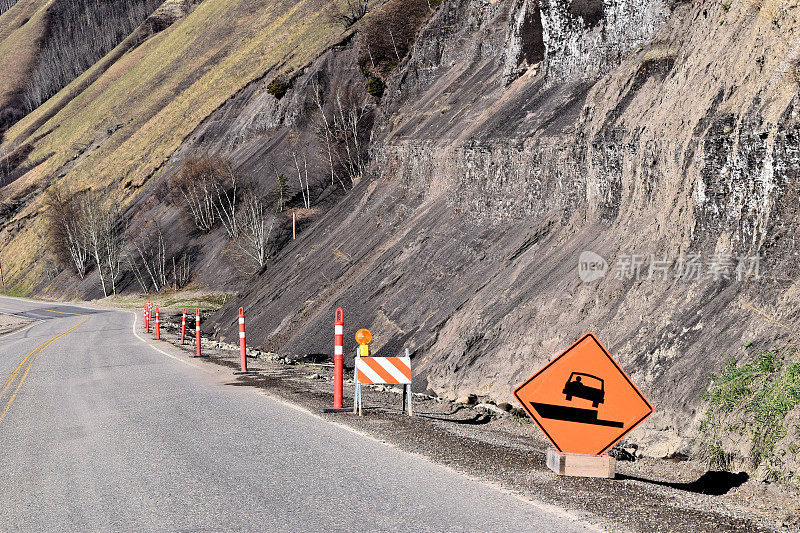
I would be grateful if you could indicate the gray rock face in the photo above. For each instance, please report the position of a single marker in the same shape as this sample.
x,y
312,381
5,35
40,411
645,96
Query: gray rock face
x,y
518,136
585,39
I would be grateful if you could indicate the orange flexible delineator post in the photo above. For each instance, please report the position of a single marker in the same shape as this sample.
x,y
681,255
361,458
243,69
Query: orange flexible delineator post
x,y
338,358
338,363
158,325
183,327
242,342
197,332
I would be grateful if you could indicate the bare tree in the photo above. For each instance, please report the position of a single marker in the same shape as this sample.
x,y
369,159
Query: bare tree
x,y
151,260
350,117
226,199
133,266
5,5
208,186
302,173
348,12
80,32
113,244
103,238
326,130
343,129
255,235
152,252
181,271
65,229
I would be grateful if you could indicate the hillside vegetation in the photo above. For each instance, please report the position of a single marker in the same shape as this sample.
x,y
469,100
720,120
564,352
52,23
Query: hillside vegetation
x,y
22,29
64,40
119,130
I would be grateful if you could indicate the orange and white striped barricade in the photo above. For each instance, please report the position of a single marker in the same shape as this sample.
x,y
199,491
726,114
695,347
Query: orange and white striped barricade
x,y
383,370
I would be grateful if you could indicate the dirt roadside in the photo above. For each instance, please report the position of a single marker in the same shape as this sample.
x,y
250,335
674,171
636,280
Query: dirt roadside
x,y
487,443
12,323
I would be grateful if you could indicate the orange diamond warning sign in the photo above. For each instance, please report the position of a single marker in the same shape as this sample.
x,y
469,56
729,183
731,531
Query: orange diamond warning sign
x,y
582,400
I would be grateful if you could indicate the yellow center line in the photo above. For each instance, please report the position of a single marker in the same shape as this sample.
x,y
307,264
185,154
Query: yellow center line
x,y
32,357
61,312
41,346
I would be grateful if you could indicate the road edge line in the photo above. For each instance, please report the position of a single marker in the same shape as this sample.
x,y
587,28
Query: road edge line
x,y
554,509
159,350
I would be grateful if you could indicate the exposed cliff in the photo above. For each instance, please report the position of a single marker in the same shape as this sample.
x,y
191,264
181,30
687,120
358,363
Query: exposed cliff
x,y
516,138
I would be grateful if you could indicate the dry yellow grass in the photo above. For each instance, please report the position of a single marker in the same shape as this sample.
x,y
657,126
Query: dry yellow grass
x,y
21,29
159,92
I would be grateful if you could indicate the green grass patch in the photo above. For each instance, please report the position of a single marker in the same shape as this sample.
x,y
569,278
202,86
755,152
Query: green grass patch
x,y
16,291
747,407
375,87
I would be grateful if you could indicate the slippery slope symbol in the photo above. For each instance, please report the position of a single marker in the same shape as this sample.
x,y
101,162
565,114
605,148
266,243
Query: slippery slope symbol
x,y
572,414
582,400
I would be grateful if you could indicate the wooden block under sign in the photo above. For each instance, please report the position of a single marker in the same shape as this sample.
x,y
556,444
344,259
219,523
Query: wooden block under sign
x,y
578,464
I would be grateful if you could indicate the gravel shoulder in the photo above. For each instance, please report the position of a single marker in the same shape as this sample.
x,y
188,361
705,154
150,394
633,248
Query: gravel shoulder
x,y
483,441
12,323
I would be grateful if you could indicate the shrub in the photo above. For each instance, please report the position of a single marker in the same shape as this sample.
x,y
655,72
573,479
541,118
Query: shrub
x,y
207,185
375,87
389,34
348,12
278,87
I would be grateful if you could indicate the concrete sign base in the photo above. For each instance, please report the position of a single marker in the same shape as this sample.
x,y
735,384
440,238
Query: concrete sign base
x,y
577,464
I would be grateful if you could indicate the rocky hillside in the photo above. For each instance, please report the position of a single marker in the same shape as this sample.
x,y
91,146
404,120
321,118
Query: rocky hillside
x,y
503,141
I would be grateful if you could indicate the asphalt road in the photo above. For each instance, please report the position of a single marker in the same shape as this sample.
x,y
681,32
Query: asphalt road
x,y
101,429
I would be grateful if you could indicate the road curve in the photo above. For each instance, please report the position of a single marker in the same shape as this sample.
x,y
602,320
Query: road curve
x,y
101,430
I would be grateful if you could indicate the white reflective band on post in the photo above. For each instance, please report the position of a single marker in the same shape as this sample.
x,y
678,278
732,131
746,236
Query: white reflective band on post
x,y
198,328
337,350
338,330
241,334
241,320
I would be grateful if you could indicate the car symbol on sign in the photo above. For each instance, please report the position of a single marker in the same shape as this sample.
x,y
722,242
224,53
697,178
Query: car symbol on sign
x,y
593,391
